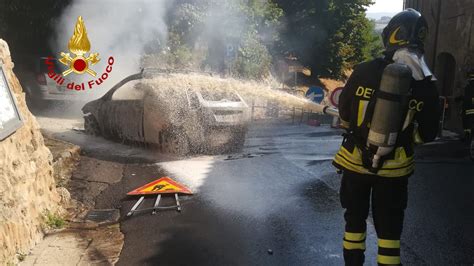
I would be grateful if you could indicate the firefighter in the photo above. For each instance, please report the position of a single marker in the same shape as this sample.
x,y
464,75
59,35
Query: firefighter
x,y
382,183
468,107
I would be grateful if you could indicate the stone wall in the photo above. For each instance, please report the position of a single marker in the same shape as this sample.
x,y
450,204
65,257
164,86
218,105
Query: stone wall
x,y
449,47
27,186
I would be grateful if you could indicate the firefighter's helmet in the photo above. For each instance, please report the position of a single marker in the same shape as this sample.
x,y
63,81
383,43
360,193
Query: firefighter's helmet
x,y
406,29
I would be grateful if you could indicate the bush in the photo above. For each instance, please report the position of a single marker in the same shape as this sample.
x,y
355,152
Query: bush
x,y
253,59
53,221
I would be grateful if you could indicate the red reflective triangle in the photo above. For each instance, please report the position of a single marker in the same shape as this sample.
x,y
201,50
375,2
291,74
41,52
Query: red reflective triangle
x,y
164,185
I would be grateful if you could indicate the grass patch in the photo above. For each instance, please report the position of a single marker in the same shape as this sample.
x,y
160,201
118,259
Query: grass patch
x,y
21,256
54,221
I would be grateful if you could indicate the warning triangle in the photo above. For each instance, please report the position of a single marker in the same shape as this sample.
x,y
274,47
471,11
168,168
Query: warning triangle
x,y
163,185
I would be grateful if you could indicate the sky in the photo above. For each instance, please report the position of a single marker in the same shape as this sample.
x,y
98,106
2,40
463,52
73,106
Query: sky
x,y
386,6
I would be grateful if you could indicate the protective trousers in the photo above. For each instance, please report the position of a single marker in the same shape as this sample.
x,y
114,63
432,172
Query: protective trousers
x,y
389,201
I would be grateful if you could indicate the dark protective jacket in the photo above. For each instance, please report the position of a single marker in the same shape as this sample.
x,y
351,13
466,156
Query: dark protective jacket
x,y
356,106
468,106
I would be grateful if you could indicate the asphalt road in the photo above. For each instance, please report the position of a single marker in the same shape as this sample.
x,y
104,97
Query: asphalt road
x,y
439,219
276,203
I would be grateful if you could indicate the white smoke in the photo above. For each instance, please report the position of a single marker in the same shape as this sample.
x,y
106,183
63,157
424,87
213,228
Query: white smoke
x,y
118,28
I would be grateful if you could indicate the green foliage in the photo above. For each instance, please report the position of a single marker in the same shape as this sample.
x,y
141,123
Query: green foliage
x,y
253,60
263,17
349,36
374,45
329,36
200,31
53,221
21,256
186,21
304,31
27,25
180,55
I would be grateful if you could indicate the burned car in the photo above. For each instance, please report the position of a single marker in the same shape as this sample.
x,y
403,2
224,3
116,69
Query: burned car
x,y
38,86
178,113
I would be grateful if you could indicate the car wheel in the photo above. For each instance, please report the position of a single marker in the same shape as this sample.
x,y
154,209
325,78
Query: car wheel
x,y
175,142
91,126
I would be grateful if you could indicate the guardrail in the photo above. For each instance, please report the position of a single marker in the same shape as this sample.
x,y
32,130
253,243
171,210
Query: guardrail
x,y
329,111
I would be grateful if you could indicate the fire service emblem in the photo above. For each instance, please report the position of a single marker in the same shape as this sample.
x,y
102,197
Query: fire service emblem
x,y
80,63
79,45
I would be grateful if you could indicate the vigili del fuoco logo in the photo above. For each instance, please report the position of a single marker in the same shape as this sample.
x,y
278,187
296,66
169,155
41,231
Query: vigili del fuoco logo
x,y
80,63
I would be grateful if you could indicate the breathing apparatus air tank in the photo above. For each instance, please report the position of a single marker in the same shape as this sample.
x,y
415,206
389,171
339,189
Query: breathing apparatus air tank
x,y
390,106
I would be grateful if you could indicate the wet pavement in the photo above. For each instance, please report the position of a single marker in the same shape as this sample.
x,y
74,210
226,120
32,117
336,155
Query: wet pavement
x,y
439,219
276,203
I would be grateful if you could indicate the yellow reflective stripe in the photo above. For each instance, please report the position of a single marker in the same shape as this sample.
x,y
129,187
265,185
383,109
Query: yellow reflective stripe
x,y
355,157
388,260
361,113
347,164
400,153
393,165
401,160
417,137
351,245
345,124
396,173
354,236
386,243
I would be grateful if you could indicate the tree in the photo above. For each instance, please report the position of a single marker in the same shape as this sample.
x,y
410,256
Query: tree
x,y
304,31
374,47
249,25
349,36
27,25
328,36
253,60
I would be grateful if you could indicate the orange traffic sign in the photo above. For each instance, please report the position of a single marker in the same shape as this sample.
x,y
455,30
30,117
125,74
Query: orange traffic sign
x,y
164,185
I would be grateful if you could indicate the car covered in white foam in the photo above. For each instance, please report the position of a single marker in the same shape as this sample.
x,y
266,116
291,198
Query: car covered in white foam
x,y
167,110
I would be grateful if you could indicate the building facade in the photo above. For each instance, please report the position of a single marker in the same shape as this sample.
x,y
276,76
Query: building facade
x,y
449,47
